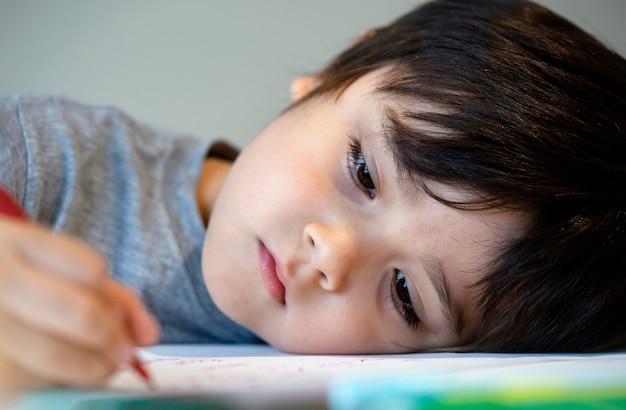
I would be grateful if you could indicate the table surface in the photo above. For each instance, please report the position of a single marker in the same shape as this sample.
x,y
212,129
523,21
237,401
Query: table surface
x,y
259,376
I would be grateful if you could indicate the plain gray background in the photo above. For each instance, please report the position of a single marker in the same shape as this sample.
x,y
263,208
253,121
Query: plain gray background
x,y
208,68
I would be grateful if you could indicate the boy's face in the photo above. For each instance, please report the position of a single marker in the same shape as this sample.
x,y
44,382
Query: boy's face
x,y
318,245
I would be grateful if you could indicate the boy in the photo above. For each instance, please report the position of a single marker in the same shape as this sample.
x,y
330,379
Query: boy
x,y
451,181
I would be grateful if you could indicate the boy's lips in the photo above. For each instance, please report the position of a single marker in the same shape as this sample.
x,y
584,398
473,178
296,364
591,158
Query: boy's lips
x,y
271,274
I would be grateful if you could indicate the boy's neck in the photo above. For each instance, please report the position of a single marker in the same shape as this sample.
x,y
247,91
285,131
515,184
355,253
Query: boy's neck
x,y
214,171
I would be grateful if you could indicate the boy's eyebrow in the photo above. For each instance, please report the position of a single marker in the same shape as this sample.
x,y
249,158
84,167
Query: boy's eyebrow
x,y
404,175
452,311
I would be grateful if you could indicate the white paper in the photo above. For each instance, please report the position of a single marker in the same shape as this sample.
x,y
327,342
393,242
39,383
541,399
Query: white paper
x,y
265,373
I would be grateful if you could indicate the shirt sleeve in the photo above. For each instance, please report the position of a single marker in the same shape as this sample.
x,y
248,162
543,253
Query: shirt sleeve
x,y
12,150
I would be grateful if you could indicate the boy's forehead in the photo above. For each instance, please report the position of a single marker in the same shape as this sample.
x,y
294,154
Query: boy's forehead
x,y
373,88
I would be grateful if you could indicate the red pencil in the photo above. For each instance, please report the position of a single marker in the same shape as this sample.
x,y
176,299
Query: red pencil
x,y
136,364
9,206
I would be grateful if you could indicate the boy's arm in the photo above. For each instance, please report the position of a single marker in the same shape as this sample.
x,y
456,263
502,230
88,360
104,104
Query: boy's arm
x,y
63,320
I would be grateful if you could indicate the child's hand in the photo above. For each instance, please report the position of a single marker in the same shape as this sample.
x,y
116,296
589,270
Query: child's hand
x,y
62,319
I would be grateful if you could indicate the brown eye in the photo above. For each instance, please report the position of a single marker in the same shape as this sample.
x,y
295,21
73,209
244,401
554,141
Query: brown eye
x,y
363,174
403,300
360,171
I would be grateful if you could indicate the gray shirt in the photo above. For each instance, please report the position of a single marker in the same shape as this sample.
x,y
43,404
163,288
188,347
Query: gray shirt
x,y
126,189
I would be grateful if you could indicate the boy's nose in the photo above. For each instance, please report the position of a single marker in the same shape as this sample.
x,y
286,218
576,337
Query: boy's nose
x,y
334,252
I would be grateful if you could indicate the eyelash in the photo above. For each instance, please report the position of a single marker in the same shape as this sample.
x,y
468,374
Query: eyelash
x,y
402,300
359,170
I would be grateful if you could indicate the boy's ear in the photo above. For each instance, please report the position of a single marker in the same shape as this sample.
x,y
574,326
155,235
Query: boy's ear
x,y
302,86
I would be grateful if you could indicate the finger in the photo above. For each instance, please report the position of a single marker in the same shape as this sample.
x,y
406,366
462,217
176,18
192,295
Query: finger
x,y
51,305
46,357
56,253
142,327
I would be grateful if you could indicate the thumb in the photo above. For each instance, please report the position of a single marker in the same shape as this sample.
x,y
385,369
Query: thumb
x,y
143,329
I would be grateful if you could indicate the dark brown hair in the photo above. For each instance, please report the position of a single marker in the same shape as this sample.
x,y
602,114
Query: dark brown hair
x,y
534,111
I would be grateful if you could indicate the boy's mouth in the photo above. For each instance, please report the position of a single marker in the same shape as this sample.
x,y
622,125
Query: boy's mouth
x,y
270,274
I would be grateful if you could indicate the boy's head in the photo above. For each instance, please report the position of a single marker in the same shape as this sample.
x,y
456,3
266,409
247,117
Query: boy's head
x,y
500,107
530,117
